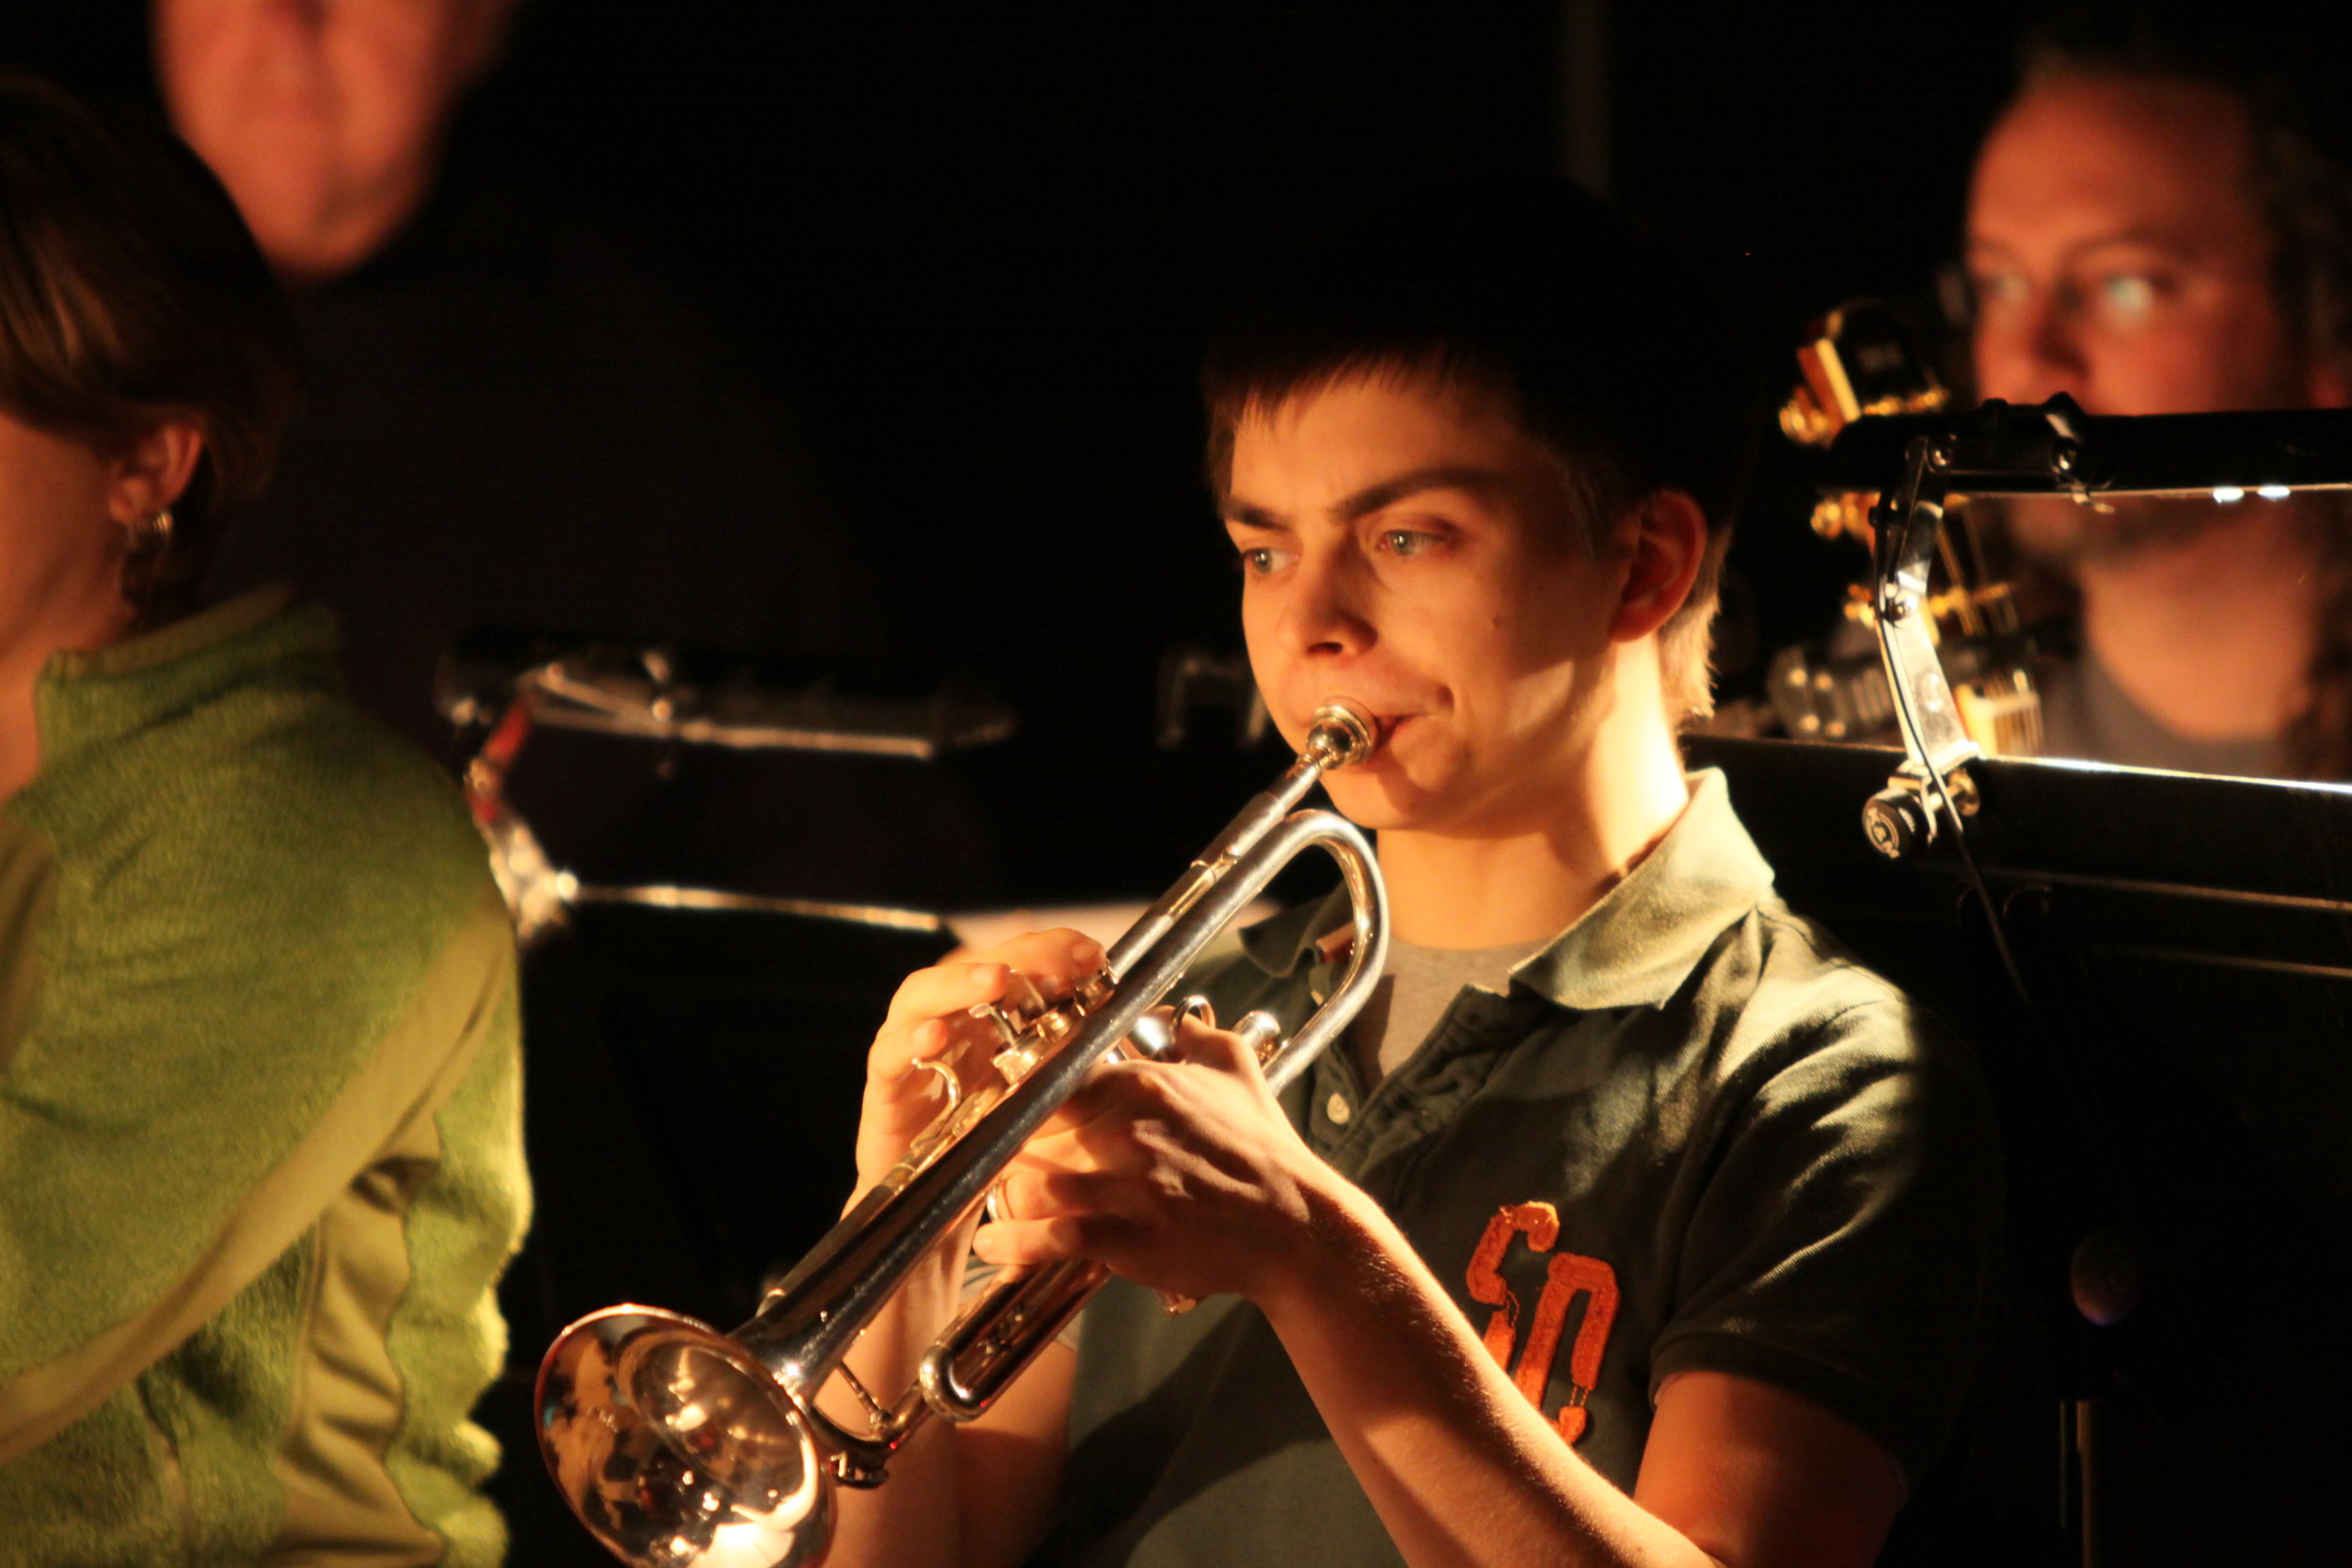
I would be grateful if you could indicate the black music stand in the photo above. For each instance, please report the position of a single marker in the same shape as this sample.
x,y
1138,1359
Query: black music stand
x,y
2176,1103
693,1055
2157,969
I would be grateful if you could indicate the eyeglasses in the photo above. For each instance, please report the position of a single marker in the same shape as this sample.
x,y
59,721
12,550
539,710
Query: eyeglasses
x,y
2115,301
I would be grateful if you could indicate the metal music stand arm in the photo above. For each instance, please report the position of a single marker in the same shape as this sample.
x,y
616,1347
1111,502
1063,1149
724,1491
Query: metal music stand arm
x,y
638,693
1932,788
2051,448
1997,449
704,699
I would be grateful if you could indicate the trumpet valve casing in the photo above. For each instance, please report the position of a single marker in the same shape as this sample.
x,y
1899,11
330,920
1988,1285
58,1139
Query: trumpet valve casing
x,y
1029,1034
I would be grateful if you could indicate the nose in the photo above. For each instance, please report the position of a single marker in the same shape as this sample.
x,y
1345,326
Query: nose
x,y
2031,350
1323,615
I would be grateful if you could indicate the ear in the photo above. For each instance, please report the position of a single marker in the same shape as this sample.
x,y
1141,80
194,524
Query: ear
x,y
1669,543
150,473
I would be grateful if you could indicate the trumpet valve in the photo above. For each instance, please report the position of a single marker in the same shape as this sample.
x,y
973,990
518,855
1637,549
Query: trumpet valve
x,y
1032,1033
1032,1045
1262,1033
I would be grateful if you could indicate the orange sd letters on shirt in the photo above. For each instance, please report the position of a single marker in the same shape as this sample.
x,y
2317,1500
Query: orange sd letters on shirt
x,y
1569,1275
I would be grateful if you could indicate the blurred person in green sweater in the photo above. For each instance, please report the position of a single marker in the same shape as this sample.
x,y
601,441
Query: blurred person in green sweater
x,y
260,1125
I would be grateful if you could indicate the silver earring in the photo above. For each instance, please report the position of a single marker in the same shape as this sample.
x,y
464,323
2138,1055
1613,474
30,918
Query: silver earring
x,y
149,536
150,540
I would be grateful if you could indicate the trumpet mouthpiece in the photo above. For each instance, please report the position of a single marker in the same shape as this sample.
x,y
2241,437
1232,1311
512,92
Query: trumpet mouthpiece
x,y
1342,733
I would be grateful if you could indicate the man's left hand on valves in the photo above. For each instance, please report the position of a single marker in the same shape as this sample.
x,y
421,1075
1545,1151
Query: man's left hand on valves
x,y
1181,1174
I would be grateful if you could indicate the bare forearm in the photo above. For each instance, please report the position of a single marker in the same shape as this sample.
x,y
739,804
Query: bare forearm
x,y
912,1519
976,1496
1461,1468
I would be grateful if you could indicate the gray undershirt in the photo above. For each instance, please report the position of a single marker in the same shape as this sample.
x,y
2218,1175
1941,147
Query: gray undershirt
x,y
2085,714
1417,987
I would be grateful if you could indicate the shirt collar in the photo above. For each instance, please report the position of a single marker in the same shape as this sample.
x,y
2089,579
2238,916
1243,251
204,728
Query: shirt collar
x,y
1633,948
1641,941
1280,943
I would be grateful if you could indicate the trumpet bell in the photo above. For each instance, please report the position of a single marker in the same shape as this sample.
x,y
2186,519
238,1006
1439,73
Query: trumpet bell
x,y
676,1447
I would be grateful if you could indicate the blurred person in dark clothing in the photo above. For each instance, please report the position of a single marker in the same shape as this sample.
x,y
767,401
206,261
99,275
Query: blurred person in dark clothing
x,y
515,418
2154,227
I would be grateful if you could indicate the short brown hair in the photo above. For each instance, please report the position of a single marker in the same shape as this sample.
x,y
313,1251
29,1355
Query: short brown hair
x,y
1535,293
131,293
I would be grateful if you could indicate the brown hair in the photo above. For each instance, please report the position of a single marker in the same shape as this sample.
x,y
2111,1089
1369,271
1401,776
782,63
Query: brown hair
x,y
130,293
1541,297
2298,179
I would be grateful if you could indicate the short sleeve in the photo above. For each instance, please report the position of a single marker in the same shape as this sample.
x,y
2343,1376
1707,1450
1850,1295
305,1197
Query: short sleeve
x,y
1846,1242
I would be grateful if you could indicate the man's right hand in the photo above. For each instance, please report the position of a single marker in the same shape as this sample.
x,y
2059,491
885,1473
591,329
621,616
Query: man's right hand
x,y
959,1496
928,1021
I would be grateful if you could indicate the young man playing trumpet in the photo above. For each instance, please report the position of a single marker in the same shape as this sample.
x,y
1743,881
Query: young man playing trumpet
x,y
1639,1225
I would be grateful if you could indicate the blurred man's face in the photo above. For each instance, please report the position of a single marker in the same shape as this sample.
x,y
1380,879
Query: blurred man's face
x,y
2116,255
324,121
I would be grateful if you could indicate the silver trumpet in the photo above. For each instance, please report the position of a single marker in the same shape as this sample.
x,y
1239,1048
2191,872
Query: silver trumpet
x,y
682,1448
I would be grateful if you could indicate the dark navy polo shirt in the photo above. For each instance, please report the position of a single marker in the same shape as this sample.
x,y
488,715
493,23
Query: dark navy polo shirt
x,y
1695,1134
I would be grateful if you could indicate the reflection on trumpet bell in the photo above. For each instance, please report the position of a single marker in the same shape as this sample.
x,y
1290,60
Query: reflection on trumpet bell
x,y
681,1448
679,1452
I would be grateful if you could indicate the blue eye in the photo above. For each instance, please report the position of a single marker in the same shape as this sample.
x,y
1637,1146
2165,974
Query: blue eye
x,y
1262,561
1406,541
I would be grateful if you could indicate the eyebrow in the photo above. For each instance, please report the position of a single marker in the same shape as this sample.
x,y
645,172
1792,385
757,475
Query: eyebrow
x,y
2153,239
1373,498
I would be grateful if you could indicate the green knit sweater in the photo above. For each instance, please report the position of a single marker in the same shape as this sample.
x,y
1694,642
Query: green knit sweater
x,y
261,1155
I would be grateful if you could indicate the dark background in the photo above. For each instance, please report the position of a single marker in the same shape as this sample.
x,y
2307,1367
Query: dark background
x,y
977,252
978,249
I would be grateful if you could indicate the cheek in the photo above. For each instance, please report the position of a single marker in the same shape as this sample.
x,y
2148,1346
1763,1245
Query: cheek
x,y
1560,618
1542,658
1267,666
1257,619
2011,365
2045,525
2222,360
1519,674
53,492
1991,356
397,78
2177,375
